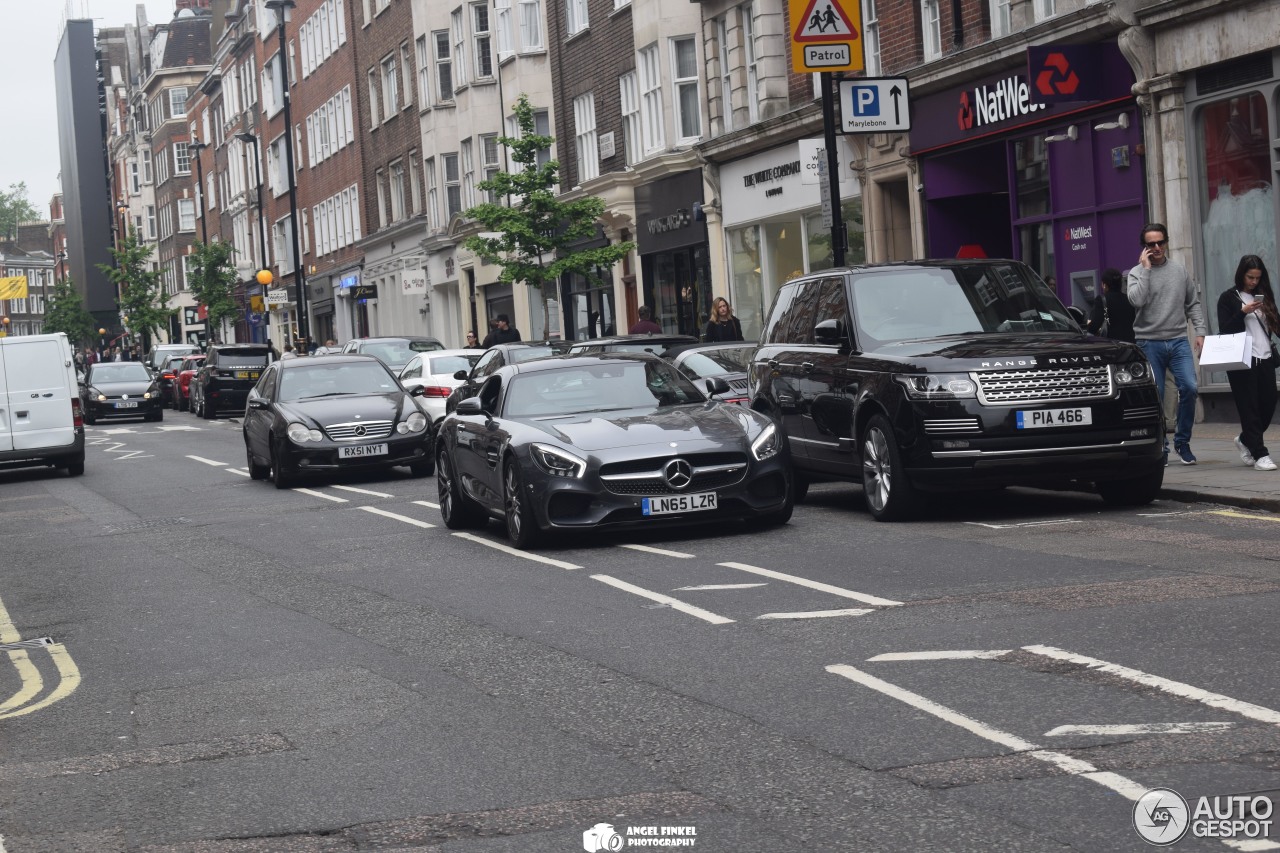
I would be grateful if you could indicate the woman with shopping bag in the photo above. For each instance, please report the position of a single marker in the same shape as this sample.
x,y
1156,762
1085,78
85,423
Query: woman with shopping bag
x,y
1250,306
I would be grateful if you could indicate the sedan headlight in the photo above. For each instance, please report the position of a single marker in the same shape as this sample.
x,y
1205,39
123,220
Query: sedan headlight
x,y
301,434
938,386
97,395
416,422
557,462
767,443
1131,374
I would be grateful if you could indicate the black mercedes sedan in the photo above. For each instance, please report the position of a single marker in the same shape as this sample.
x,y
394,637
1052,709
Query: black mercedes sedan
x,y
577,442
120,389
337,413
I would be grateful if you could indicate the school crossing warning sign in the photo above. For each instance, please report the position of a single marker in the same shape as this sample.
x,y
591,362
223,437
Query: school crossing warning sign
x,y
825,35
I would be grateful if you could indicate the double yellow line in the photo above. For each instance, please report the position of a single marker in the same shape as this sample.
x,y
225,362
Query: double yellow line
x,y
22,702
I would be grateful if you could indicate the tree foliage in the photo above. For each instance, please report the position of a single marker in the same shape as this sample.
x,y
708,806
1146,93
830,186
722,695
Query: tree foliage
x,y
142,298
212,279
536,231
65,312
15,209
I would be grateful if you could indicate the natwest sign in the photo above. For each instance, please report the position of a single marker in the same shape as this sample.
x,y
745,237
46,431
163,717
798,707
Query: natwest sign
x,y
1006,99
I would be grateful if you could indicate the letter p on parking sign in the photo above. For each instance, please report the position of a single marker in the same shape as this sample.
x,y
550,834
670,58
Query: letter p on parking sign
x,y
865,100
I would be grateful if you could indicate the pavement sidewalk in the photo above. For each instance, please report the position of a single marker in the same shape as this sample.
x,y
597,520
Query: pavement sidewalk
x,y
1220,476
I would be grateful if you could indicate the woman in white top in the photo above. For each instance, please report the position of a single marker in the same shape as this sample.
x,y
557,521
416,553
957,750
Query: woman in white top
x,y
1250,306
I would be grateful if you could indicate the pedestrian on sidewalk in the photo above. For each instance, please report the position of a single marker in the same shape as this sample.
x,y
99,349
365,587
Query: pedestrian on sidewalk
x,y
1250,306
1112,309
1165,299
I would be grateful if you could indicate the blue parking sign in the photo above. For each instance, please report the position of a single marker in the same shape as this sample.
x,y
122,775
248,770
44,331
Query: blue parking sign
x,y
864,100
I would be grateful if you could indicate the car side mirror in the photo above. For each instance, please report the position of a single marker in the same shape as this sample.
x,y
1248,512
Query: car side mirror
x,y
257,403
717,385
470,406
417,390
462,375
829,332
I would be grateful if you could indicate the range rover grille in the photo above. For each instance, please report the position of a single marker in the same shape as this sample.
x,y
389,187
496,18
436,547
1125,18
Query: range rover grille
x,y
950,426
1001,387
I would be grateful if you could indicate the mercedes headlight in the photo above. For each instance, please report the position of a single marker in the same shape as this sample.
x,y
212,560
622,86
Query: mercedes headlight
x,y
301,434
416,422
1131,374
938,386
557,462
768,443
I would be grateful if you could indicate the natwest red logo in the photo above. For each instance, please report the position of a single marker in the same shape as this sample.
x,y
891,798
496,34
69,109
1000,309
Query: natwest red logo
x,y
1057,76
966,112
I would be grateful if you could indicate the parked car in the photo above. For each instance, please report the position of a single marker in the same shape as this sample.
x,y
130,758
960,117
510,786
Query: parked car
x,y
728,361
630,343
953,375
223,381
394,352
120,389
495,357
336,413
573,443
41,413
155,357
165,375
436,374
180,393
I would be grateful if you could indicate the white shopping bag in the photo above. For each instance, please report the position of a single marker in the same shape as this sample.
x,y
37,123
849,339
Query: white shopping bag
x,y
1227,352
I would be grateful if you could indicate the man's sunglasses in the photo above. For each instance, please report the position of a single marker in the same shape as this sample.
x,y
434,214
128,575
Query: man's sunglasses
x,y
1158,244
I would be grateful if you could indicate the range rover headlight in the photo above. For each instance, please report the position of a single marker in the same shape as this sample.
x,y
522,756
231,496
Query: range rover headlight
x,y
768,443
301,434
1131,374
560,463
416,422
938,386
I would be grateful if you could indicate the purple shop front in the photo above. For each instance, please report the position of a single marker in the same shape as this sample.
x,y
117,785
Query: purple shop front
x,y
1059,185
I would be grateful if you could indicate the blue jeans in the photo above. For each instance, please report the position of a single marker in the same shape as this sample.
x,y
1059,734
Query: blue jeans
x,y
1174,355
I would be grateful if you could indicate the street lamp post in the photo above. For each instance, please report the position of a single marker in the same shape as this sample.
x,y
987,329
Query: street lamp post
x,y
194,147
281,7
263,277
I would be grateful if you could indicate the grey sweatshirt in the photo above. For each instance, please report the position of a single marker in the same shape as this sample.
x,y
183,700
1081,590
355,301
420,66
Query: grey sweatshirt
x,y
1165,298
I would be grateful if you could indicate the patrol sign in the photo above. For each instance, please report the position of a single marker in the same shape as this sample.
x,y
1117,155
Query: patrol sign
x,y
874,105
825,35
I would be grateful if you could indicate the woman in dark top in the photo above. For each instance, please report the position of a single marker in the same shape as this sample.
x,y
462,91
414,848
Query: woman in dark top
x,y
723,325
1250,306
1114,308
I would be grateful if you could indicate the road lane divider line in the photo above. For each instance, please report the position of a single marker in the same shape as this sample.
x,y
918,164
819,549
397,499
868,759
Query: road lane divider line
x,y
363,491
428,504
515,552
316,494
212,462
947,654
1017,524
1068,764
818,614
69,680
240,471
1138,729
648,549
706,586
406,519
29,675
673,603
1231,513
1166,685
818,585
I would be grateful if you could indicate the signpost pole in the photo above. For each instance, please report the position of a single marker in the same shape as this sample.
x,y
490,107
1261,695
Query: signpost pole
x,y
833,167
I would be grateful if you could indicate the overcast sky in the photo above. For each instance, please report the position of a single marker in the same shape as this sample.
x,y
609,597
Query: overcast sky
x,y
32,29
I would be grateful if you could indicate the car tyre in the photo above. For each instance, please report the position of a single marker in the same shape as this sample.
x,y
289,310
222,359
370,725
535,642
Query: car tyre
x,y
281,477
256,471
457,510
425,468
799,487
75,465
782,516
522,529
1137,491
890,496
207,411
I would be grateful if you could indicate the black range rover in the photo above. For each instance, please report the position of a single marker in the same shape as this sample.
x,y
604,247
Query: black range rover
x,y
224,379
953,375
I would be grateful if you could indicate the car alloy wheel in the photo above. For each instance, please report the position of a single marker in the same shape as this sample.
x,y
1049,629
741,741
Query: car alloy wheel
x,y
457,511
256,471
889,495
521,528
282,478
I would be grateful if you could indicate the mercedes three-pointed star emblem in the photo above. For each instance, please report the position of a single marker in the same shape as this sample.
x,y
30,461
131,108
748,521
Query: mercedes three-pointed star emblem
x,y
678,473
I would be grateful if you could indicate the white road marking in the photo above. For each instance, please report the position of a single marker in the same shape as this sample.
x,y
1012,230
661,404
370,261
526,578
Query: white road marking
x,y
427,504
116,431
207,461
663,551
406,519
818,585
1248,844
1024,523
818,614
1176,688
316,494
1066,763
719,586
178,429
242,473
949,654
132,454
515,552
673,603
363,491
1138,729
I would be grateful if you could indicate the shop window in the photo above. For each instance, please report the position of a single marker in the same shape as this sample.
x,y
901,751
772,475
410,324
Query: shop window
x,y
747,277
1031,169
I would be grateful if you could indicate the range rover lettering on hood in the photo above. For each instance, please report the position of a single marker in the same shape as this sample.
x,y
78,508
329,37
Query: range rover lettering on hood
x,y
1032,361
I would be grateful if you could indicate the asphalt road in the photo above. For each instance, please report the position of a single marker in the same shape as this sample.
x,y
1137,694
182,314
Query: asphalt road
x,y
194,661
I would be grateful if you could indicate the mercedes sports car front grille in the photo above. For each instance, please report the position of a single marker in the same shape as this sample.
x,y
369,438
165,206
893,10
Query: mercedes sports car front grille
x,y
359,430
706,471
1002,387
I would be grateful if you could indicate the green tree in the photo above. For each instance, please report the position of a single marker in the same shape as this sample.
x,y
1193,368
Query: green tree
x,y
212,279
535,231
15,209
65,312
142,298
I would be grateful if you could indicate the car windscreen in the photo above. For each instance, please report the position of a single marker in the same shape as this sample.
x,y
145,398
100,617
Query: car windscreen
x,y
717,362
397,352
913,304
520,354
447,365
123,371
579,388
331,380
243,358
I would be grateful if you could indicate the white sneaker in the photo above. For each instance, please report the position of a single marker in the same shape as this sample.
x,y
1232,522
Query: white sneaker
x,y
1244,451
1265,464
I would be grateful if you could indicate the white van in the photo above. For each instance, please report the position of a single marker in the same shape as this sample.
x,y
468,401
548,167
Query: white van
x,y
40,421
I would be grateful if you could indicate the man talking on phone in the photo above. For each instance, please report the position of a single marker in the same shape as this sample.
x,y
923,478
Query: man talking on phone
x,y
1166,299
